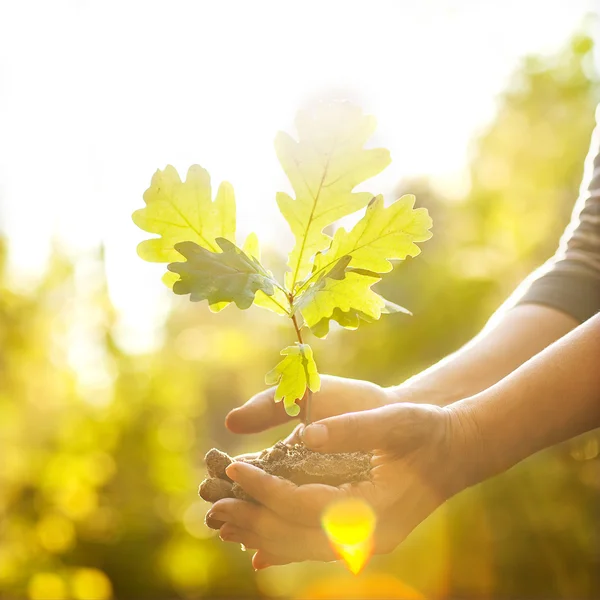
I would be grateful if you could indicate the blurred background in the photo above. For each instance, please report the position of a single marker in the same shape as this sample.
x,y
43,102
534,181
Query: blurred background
x,y
112,390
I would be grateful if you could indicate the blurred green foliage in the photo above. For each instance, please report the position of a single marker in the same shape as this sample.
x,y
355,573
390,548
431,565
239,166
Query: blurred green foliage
x,y
99,468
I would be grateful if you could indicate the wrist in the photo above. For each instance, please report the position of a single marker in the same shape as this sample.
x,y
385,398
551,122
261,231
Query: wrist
x,y
466,446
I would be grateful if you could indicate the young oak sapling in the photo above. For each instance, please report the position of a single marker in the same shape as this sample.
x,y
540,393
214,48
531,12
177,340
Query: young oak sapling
x,y
328,278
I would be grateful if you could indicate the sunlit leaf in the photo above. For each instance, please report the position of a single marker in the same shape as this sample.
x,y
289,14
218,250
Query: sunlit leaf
x,y
184,212
337,272
347,301
362,254
227,276
278,302
251,246
326,163
382,235
293,375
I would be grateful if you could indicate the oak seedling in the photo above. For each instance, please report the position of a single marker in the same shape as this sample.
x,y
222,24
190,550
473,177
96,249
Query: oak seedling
x,y
329,278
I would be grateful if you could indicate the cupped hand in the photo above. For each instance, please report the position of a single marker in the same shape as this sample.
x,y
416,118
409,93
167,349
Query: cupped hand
x,y
338,395
422,456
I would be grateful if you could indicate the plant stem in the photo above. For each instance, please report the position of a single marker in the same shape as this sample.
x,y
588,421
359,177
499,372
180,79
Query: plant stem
x,y
309,394
298,332
309,391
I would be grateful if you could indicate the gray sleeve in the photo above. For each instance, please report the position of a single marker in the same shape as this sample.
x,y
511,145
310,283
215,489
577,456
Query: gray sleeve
x,y
570,280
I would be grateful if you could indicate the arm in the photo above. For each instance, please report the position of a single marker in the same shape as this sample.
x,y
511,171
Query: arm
x,y
553,397
553,300
546,306
425,454
510,339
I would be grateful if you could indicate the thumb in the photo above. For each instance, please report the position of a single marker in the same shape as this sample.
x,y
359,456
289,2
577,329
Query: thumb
x,y
397,427
257,414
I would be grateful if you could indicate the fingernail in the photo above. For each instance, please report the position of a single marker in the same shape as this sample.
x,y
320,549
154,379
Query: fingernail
x,y
231,471
315,435
218,516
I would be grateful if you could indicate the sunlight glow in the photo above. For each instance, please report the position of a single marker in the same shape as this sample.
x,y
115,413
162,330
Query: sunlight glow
x,y
97,95
349,525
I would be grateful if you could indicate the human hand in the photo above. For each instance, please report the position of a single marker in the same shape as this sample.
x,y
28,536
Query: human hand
x,y
338,395
422,457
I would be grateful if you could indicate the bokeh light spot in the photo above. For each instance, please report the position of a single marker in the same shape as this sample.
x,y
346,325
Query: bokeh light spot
x,y
43,586
349,525
91,584
56,534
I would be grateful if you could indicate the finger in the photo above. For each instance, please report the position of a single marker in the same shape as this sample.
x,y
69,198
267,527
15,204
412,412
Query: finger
x,y
318,549
396,427
259,528
263,560
246,515
253,541
311,545
259,413
365,430
237,535
299,504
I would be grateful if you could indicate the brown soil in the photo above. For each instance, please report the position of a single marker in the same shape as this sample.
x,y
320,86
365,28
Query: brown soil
x,y
296,463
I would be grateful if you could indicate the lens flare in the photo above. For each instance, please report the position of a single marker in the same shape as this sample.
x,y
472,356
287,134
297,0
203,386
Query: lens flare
x,y
349,525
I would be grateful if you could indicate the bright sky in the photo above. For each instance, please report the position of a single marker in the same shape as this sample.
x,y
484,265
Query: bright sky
x,y
94,96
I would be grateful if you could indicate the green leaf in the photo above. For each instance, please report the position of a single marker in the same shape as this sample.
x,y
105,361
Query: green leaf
x,y
337,271
294,374
326,163
382,235
278,302
347,301
184,212
227,276
251,246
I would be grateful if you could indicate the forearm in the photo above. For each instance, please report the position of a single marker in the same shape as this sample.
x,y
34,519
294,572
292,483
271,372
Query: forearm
x,y
551,398
512,338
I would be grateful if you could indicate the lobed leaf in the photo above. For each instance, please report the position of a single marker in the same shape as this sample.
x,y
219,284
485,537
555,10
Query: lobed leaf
x,y
347,301
293,375
382,235
326,163
337,272
278,302
227,276
184,212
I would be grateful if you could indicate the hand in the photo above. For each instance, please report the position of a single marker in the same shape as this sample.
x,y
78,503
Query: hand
x,y
337,396
422,458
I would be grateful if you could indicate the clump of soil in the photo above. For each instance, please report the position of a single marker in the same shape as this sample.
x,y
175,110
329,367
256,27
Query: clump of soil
x,y
296,463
